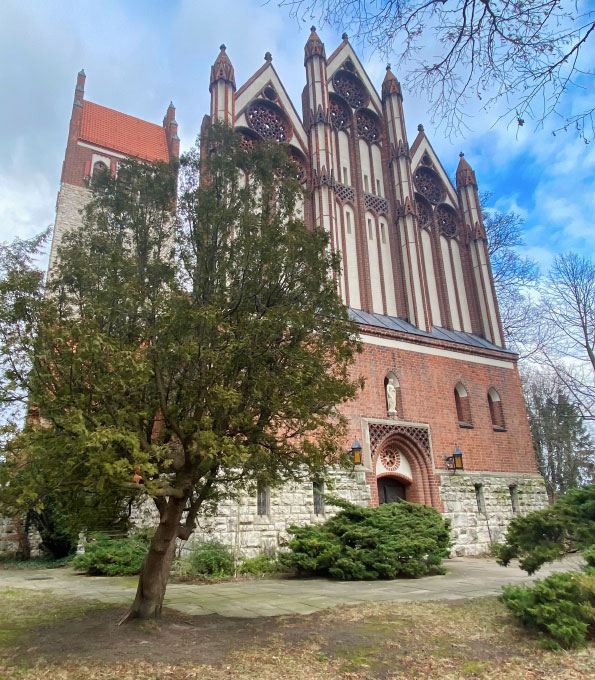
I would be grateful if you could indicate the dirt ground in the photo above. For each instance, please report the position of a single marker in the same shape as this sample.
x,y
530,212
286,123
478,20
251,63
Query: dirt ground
x,y
59,638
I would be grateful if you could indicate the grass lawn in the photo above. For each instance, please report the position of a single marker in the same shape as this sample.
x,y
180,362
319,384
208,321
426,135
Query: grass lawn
x,y
44,636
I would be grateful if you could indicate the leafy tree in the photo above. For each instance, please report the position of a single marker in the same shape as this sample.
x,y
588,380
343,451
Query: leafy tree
x,y
546,535
514,276
527,55
564,448
180,357
567,331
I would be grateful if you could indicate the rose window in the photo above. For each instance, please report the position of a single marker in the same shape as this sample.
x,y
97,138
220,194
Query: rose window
x,y
424,217
367,126
339,113
351,89
301,174
247,142
390,459
428,185
269,122
446,221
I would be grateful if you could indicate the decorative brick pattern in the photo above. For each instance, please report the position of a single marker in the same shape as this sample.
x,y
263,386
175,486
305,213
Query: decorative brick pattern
x,y
344,192
376,203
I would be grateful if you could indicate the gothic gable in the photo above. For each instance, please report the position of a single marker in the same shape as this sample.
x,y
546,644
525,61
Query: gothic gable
x,y
263,101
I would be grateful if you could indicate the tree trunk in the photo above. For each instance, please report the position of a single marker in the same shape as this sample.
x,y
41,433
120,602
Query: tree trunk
x,y
154,573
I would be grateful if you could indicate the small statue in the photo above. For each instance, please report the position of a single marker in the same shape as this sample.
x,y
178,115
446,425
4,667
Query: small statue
x,y
391,398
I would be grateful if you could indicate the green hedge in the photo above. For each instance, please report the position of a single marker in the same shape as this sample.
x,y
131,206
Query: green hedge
x,y
395,539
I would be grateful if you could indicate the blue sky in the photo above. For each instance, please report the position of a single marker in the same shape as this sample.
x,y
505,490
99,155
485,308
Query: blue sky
x,y
140,54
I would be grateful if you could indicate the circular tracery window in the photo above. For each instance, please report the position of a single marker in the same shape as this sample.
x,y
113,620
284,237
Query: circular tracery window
x,y
351,89
367,126
268,121
424,216
339,113
390,459
428,185
301,175
447,222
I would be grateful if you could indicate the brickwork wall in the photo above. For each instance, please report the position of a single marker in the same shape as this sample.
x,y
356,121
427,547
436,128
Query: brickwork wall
x,y
427,385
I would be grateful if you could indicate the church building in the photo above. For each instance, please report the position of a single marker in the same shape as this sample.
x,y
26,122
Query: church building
x,y
441,419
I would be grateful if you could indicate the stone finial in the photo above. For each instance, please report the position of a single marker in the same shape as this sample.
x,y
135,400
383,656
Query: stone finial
x,y
82,72
314,46
268,57
465,174
420,128
390,84
222,69
345,37
171,105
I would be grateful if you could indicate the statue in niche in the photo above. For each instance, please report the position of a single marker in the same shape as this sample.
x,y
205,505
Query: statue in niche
x,y
391,398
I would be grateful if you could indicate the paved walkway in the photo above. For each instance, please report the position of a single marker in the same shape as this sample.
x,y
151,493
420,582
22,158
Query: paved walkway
x,y
466,578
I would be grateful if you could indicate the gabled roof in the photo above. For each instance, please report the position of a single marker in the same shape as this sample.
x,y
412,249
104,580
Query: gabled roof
x,y
126,134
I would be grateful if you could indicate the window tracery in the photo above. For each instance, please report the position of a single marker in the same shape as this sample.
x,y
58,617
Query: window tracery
x,y
367,126
268,121
351,89
447,221
428,185
340,115
390,458
424,214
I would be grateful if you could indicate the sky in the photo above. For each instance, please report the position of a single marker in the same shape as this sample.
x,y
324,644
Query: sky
x,y
140,54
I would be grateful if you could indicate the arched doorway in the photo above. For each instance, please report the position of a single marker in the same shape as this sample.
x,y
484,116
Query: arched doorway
x,y
391,490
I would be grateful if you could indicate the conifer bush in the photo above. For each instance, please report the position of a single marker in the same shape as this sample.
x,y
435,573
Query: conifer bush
x,y
561,608
106,556
395,539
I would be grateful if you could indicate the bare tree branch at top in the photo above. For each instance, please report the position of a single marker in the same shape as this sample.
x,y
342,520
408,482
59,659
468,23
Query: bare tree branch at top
x,y
528,54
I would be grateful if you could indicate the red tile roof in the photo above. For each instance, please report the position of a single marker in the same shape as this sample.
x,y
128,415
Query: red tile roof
x,y
125,134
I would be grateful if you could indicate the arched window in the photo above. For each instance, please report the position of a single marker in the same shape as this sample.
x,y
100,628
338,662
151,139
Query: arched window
x,y
99,167
496,411
463,406
392,394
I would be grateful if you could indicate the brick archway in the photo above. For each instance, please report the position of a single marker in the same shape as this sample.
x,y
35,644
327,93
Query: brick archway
x,y
413,443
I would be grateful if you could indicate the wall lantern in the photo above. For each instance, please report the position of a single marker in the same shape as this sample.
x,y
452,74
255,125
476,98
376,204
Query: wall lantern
x,y
455,462
356,452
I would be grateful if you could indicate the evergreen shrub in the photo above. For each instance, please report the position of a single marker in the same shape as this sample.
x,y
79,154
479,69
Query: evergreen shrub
x,y
561,608
106,556
261,564
395,539
210,558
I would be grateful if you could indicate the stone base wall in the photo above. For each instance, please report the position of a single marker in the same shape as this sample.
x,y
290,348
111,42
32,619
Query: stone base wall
x,y
238,524
473,531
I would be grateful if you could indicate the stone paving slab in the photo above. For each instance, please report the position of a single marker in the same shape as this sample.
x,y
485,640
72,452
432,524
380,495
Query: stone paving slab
x,y
466,578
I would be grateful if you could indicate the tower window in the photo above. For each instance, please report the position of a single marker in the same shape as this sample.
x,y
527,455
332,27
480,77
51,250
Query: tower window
x,y
382,233
496,411
348,222
370,230
345,175
463,406
318,492
366,184
378,187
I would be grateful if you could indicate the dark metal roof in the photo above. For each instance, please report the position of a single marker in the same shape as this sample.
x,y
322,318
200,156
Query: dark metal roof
x,y
393,323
